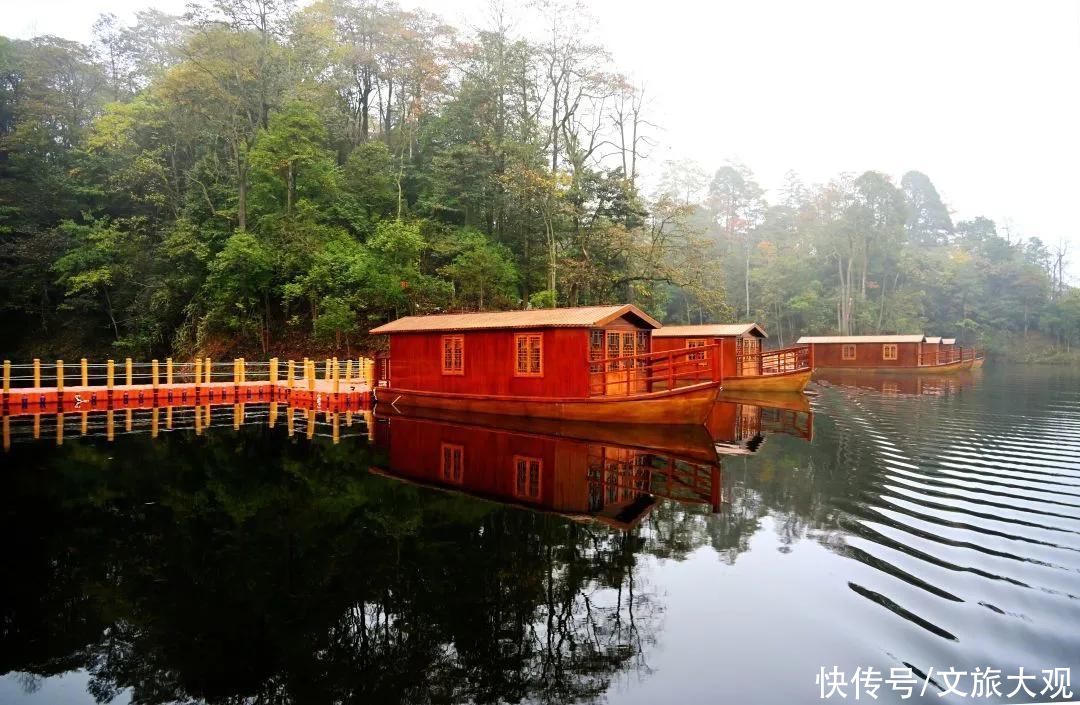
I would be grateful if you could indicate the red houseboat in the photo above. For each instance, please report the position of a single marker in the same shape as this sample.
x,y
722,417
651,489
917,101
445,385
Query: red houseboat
x,y
592,363
612,483
895,353
743,364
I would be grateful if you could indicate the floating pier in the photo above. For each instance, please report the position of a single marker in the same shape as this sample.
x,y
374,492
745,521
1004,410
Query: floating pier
x,y
343,387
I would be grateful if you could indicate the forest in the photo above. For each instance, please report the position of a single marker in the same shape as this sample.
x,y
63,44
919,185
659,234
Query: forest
x,y
256,178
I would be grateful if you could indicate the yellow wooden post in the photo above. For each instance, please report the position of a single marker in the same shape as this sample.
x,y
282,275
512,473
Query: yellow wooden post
x,y
110,371
110,424
154,375
59,375
305,367
289,412
291,374
128,419
85,419
60,429
311,424
168,371
348,371
243,371
236,417
7,433
37,426
310,374
84,368
127,371
273,414
337,430
7,376
236,370
198,373
207,365
37,372
369,373
154,422
198,420
334,377
326,371
273,370
168,417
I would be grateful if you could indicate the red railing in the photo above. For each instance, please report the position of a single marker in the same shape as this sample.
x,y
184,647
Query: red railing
x,y
776,362
946,356
654,371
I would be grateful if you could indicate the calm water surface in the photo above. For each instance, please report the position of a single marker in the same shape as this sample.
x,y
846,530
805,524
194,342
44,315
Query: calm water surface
x,y
929,524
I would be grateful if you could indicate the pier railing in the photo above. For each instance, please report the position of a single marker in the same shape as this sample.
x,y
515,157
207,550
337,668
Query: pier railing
x,y
947,356
654,371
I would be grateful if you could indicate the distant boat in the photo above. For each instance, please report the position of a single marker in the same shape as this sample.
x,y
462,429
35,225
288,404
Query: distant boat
x,y
743,364
592,363
888,353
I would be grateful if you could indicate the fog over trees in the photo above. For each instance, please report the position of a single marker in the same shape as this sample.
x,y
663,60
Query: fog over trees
x,y
253,177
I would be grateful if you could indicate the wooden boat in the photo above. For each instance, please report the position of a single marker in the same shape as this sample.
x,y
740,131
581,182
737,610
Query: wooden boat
x,y
743,364
581,364
888,353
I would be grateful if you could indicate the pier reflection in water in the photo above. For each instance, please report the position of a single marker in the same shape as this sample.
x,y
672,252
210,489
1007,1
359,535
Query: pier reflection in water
x,y
885,528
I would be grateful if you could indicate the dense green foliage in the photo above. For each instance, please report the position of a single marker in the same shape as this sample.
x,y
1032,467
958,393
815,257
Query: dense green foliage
x,y
250,177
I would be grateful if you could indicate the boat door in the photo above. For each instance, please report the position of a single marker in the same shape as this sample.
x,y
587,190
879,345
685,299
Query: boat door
x,y
748,355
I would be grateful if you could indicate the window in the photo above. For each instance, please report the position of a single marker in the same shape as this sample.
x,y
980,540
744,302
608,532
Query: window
x,y
696,343
596,350
888,351
847,352
453,355
529,355
527,474
452,468
613,349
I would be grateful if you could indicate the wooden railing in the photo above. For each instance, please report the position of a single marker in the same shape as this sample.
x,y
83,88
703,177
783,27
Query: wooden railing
x,y
654,371
947,356
775,362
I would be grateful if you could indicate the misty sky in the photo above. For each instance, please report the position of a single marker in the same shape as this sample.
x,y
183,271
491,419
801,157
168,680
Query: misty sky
x,y
982,96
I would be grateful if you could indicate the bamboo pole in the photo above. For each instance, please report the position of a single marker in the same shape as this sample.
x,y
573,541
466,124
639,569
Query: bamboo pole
x,y
110,372
310,375
59,376
84,369
168,371
127,371
326,371
290,374
7,376
198,374
37,372
348,371
334,378
243,371
207,365
273,370
154,376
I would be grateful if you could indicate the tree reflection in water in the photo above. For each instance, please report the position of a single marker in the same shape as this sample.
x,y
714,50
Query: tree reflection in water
x,y
252,567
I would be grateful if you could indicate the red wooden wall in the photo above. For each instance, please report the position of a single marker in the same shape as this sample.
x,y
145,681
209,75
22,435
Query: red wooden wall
x,y
489,363
728,354
867,355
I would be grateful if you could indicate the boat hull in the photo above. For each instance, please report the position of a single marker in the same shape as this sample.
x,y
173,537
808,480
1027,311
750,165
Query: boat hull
x,y
684,405
920,370
783,382
978,362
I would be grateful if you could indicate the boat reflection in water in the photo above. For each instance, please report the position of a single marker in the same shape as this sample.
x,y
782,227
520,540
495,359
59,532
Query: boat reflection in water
x,y
893,385
603,473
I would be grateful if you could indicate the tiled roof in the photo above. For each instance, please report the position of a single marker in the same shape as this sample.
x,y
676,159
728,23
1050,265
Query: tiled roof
x,y
806,339
583,316
710,330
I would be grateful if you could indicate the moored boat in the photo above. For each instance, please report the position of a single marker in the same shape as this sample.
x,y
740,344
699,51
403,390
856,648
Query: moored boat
x,y
888,353
592,363
743,363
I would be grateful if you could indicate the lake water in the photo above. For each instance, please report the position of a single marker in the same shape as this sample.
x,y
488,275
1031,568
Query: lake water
x,y
904,523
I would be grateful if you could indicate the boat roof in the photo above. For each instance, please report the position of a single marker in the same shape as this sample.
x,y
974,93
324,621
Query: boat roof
x,y
579,317
934,339
860,339
711,330
948,341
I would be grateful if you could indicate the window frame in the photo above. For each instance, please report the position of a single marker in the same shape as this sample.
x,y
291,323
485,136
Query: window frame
x,y
697,343
844,351
455,371
886,348
539,337
524,492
